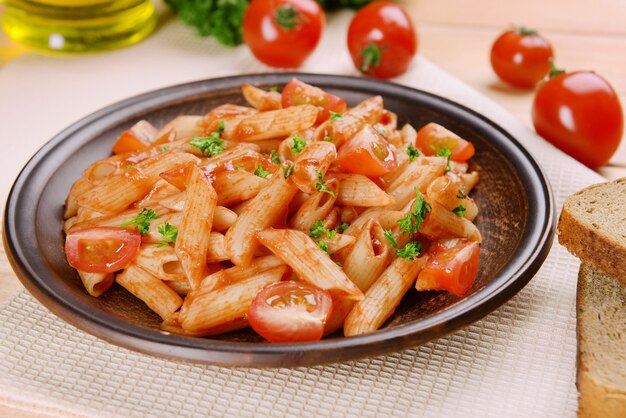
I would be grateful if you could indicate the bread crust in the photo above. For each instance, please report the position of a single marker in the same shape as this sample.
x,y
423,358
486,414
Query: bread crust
x,y
589,243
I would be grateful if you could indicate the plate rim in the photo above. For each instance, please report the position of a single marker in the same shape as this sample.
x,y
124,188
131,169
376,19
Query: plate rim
x,y
465,312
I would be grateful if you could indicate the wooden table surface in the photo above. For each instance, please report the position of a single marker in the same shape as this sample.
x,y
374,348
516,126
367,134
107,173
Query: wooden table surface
x,y
457,36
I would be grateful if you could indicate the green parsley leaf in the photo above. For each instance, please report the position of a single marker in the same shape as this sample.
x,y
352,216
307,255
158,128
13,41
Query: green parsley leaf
x,y
340,264
142,220
261,172
335,115
445,152
298,144
273,88
420,209
413,152
274,157
322,245
391,239
128,167
406,224
321,185
169,232
410,251
343,227
210,145
327,139
288,171
240,168
317,230
164,148
459,210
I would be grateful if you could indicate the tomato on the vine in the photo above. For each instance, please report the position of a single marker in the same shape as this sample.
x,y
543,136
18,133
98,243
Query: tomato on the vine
x,y
580,114
101,249
521,57
283,33
290,312
382,40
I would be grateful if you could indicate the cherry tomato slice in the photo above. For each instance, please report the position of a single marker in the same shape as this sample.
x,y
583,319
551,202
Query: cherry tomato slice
x,y
382,40
101,249
367,153
433,138
283,33
453,266
290,312
297,93
137,138
521,57
580,114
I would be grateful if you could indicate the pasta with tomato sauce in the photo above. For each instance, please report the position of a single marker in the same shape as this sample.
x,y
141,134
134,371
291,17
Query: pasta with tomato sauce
x,y
296,215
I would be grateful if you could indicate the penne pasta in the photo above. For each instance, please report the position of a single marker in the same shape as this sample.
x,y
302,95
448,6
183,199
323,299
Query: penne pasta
x,y
316,207
237,273
185,126
443,223
273,123
236,186
309,262
260,99
358,190
96,283
311,163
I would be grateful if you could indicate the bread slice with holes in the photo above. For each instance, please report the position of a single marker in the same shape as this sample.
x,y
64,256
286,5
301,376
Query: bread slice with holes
x,y
592,226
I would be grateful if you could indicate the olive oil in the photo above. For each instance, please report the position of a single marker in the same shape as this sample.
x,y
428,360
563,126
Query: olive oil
x,y
78,25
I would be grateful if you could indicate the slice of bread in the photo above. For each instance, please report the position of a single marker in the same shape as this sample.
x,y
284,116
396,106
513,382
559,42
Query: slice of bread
x,y
601,329
592,226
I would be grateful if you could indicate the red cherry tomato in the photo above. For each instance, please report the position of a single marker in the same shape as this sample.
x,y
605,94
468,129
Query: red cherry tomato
x,y
367,153
521,57
290,312
432,138
101,249
297,93
580,114
283,33
453,266
382,40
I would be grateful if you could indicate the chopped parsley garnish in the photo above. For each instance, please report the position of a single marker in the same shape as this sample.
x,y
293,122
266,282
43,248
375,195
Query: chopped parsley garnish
x,y
273,88
410,251
210,145
334,115
298,144
274,157
413,152
321,185
327,139
142,220
391,239
412,222
128,167
459,210
164,148
445,152
318,230
261,172
169,232
322,245
343,227
240,168
288,171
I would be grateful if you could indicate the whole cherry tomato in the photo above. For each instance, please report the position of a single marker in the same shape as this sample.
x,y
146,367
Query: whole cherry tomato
x,y
382,40
290,312
580,114
101,249
521,57
283,33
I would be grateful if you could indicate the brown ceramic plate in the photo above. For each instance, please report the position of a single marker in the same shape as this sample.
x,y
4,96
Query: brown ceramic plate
x,y
516,220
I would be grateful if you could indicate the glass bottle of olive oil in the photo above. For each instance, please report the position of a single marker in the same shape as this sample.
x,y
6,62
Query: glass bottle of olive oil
x,y
78,25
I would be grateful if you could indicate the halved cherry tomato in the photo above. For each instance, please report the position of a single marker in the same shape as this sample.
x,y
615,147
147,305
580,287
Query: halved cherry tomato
x,y
297,93
433,138
382,40
283,33
101,249
580,114
137,138
290,312
367,153
453,266
521,57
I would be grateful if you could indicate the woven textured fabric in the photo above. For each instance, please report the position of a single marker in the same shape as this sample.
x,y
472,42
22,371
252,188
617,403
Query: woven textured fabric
x,y
518,361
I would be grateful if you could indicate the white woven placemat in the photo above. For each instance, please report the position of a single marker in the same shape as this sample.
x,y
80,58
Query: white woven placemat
x,y
517,362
